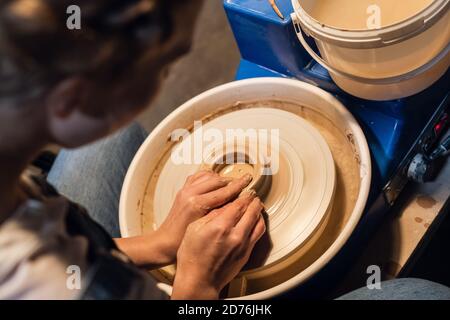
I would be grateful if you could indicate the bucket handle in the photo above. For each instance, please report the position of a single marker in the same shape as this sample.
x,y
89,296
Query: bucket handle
x,y
379,81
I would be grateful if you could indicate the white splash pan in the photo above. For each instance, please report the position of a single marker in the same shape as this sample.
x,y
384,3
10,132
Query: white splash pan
x,y
207,103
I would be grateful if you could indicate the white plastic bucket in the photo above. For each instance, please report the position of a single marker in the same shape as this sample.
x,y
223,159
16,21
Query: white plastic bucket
x,y
209,102
394,61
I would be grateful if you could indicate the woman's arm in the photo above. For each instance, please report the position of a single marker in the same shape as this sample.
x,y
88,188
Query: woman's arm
x,y
221,242
149,251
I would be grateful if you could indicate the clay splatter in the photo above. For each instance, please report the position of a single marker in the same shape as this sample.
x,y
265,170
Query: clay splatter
x,y
426,202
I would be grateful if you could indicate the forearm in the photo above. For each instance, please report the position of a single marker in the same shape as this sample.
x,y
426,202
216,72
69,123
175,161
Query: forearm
x,y
150,251
187,287
153,251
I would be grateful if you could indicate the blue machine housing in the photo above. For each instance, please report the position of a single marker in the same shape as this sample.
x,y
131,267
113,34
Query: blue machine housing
x,y
269,47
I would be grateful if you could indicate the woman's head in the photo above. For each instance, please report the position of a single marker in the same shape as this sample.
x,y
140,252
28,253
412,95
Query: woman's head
x,y
87,82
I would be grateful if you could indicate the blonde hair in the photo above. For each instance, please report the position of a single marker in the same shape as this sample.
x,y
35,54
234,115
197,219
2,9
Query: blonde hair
x,y
37,49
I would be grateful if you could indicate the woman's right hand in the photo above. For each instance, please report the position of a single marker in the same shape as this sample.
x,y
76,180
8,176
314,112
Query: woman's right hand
x,y
216,247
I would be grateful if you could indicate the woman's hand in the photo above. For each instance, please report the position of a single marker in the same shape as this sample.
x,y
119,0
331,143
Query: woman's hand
x,y
216,247
201,193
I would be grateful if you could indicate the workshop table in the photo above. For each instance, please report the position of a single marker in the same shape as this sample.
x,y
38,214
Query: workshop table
x,y
402,238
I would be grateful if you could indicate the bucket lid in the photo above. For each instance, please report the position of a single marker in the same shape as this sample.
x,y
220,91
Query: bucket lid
x,y
375,38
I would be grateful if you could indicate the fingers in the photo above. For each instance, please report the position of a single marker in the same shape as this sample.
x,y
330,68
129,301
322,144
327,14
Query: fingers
x,y
223,195
256,234
204,177
208,183
230,214
196,176
245,196
258,231
250,218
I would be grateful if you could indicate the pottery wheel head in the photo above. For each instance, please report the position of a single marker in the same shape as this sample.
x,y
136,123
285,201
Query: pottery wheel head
x,y
291,165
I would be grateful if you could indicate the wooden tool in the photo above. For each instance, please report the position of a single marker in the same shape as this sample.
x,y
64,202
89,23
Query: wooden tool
x,y
275,7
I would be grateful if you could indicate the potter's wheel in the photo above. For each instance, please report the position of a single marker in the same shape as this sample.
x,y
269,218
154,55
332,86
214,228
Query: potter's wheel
x,y
297,187
311,122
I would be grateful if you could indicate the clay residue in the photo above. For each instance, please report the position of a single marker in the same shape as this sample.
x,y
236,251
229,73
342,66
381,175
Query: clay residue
x,y
357,15
418,219
426,202
347,186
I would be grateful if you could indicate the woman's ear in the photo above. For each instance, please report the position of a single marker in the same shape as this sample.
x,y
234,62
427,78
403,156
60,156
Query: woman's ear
x,y
68,123
65,97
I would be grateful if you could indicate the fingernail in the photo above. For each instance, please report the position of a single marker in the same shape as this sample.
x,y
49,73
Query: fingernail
x,y
248,194
263,206
258,202
247,177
